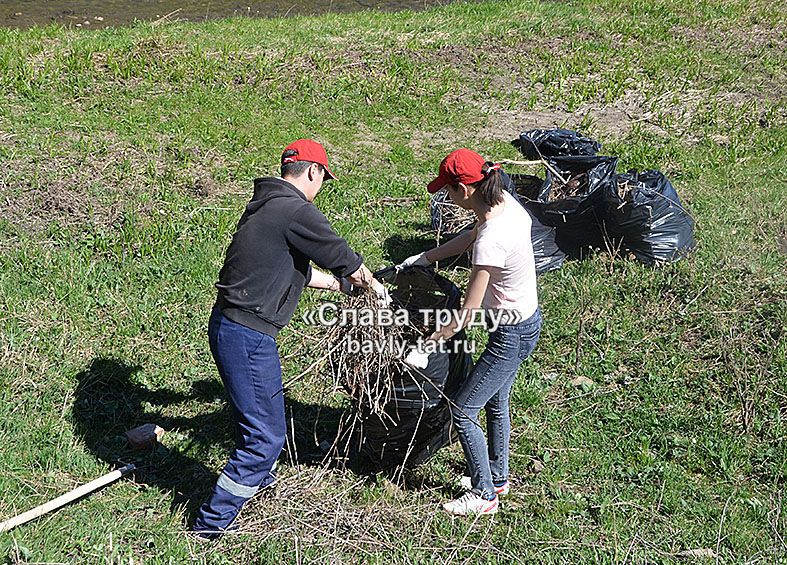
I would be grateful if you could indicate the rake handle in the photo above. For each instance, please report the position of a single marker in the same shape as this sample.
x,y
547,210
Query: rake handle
x,y
66,498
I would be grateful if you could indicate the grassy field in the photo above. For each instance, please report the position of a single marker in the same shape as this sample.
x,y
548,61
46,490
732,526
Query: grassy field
x,y
127,157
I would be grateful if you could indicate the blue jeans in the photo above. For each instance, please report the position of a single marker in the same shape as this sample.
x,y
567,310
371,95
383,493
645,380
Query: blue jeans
x,y
489,386
249,366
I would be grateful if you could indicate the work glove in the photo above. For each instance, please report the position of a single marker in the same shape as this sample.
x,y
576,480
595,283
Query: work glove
x,y
348,288
417,359
419,260
383,298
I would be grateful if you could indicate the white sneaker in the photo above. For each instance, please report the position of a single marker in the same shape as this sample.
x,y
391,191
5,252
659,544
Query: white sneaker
x,y
471,503
503,490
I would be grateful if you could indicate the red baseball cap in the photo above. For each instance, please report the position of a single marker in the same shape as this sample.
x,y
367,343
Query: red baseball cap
x,y
308,150
462,165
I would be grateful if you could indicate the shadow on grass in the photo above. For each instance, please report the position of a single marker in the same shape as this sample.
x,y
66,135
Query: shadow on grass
x,y
398,248
110,402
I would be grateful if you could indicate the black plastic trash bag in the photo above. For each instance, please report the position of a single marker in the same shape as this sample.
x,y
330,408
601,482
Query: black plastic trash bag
x,y
644,212
508,182
545,143
418,418
548,256
574,209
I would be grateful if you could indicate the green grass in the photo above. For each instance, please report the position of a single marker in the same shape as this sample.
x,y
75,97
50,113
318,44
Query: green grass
x,y
128,156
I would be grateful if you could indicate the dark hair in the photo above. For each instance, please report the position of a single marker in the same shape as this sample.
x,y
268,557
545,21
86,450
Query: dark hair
x,y
296,168
490,189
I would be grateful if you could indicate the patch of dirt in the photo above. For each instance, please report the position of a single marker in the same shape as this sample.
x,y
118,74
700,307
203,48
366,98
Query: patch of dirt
x,y
428,141
615,121
37,191
200,165
206,186
370,144
50,47
32,210
671,113
346,60
508,124
75,188
446,55
749,45
157,49
749,41
612,122
781,241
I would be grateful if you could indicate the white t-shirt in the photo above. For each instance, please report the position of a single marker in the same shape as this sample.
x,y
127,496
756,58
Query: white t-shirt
x,y
503,245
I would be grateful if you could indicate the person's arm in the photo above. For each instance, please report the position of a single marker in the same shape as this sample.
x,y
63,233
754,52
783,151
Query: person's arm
x,y
479,279
313,236
456,246
476,289
310,233
324,281
360,279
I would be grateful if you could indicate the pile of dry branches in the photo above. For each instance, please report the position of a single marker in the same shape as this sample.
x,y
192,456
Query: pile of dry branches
x,y
363,359
576,185
625,189
448,218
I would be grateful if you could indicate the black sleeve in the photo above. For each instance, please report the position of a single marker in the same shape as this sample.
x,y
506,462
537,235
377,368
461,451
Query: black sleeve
x,y
311,234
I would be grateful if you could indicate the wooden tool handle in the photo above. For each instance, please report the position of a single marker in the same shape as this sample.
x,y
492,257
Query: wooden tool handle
x,y
66,498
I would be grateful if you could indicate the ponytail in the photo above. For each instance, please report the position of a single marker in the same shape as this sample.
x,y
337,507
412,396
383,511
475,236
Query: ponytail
x,y
490,189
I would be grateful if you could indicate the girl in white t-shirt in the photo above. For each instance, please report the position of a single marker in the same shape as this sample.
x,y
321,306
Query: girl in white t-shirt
x,y
503,279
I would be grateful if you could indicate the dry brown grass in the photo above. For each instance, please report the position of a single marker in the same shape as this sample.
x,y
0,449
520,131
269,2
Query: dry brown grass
x,y
448,219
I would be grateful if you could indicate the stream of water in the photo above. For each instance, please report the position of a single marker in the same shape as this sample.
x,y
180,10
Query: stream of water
x,y
92,14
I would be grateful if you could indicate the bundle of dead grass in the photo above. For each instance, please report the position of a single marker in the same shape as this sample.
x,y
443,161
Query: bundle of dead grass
x,y
448,219
575,185
330,514
364,358
625,189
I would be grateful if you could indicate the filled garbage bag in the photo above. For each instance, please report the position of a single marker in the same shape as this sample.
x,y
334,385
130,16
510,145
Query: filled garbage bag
x,y
574,208
548,256
417,419
545,143
644,212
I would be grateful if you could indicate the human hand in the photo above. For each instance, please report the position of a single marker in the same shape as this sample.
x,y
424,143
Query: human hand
x,y
442,335
417,359
348,288
419,260
383,297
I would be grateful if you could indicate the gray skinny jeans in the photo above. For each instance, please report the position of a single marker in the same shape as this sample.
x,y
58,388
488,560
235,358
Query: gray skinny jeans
x,y
489,386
